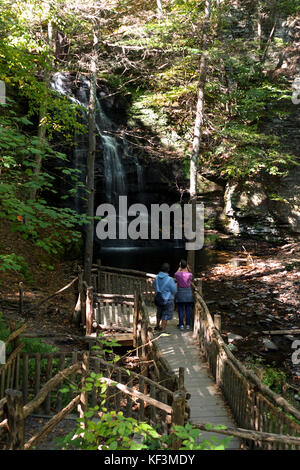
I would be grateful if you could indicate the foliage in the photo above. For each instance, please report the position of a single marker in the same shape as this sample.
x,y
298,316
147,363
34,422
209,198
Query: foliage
x,y
31,345
4,330
33,219
37,345
25,58
156,59
190,436
272,376
13,262
111,430
239,96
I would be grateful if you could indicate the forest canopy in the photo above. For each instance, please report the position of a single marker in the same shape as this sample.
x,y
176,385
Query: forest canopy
x,y
150,52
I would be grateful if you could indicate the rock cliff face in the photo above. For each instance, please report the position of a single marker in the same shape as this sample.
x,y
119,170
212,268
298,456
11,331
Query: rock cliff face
x,y
270,207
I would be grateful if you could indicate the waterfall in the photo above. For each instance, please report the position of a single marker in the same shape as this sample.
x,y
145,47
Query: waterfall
x,y
115,178
114,174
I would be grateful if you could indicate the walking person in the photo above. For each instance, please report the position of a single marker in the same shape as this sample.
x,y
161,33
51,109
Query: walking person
x,y
165,289
184,296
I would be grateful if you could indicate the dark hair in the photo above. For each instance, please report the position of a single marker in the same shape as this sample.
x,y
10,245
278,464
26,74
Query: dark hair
x,y
183,264
165,268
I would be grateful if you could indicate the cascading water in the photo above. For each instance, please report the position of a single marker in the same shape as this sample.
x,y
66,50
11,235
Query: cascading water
x,y
111,179
114,174
113,169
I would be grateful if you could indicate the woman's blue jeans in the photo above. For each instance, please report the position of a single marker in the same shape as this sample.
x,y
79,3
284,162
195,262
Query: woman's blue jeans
x,y
187,308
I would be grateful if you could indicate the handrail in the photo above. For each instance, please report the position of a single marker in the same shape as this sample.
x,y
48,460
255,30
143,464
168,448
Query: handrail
x,y
250,376
253,404
136,375
15,334
138,395
49,386
249,434
51,424
100,267
14,422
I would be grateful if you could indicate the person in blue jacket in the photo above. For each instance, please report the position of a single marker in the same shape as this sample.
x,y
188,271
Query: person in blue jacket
x,y
164,284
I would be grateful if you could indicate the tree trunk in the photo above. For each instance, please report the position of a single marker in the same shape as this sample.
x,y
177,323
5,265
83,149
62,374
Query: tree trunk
x,y
198,127
200,104
90,164
43,115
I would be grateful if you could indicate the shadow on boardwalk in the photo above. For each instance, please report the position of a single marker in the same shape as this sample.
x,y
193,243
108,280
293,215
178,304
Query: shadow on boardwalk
x,y
206,403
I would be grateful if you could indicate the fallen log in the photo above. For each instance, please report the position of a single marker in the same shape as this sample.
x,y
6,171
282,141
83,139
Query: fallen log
x,y
250,434
50,385
47,428
296,331
54,336
51,296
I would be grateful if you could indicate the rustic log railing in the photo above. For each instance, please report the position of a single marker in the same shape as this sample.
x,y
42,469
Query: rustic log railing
x,y
113,310
254,406
137,396
38,369
15,412
110,280
9,372
268,421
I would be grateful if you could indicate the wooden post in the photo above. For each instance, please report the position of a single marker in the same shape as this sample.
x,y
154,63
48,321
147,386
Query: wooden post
x,y
15,341
77,312
21,298
178,412
138,337
83,406
217,322
89,310
81,294
135,318
99,275
15,419
181,378
198,285
144,367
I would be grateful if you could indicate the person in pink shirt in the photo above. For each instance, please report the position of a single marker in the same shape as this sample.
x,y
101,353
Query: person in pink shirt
x,y
184,296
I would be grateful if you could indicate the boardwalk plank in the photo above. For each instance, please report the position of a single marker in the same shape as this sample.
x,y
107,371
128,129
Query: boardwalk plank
x,y
207,404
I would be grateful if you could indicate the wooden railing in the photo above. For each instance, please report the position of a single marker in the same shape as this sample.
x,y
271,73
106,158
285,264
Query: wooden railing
x,y
9,372
15,412
109,300
254,406
110,280
113,310
134,394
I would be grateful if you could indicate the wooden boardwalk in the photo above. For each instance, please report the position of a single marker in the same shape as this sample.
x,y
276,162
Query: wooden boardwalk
x,y
206,403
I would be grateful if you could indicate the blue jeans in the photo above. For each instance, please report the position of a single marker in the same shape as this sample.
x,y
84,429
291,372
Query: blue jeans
x,y
187,307
166,311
